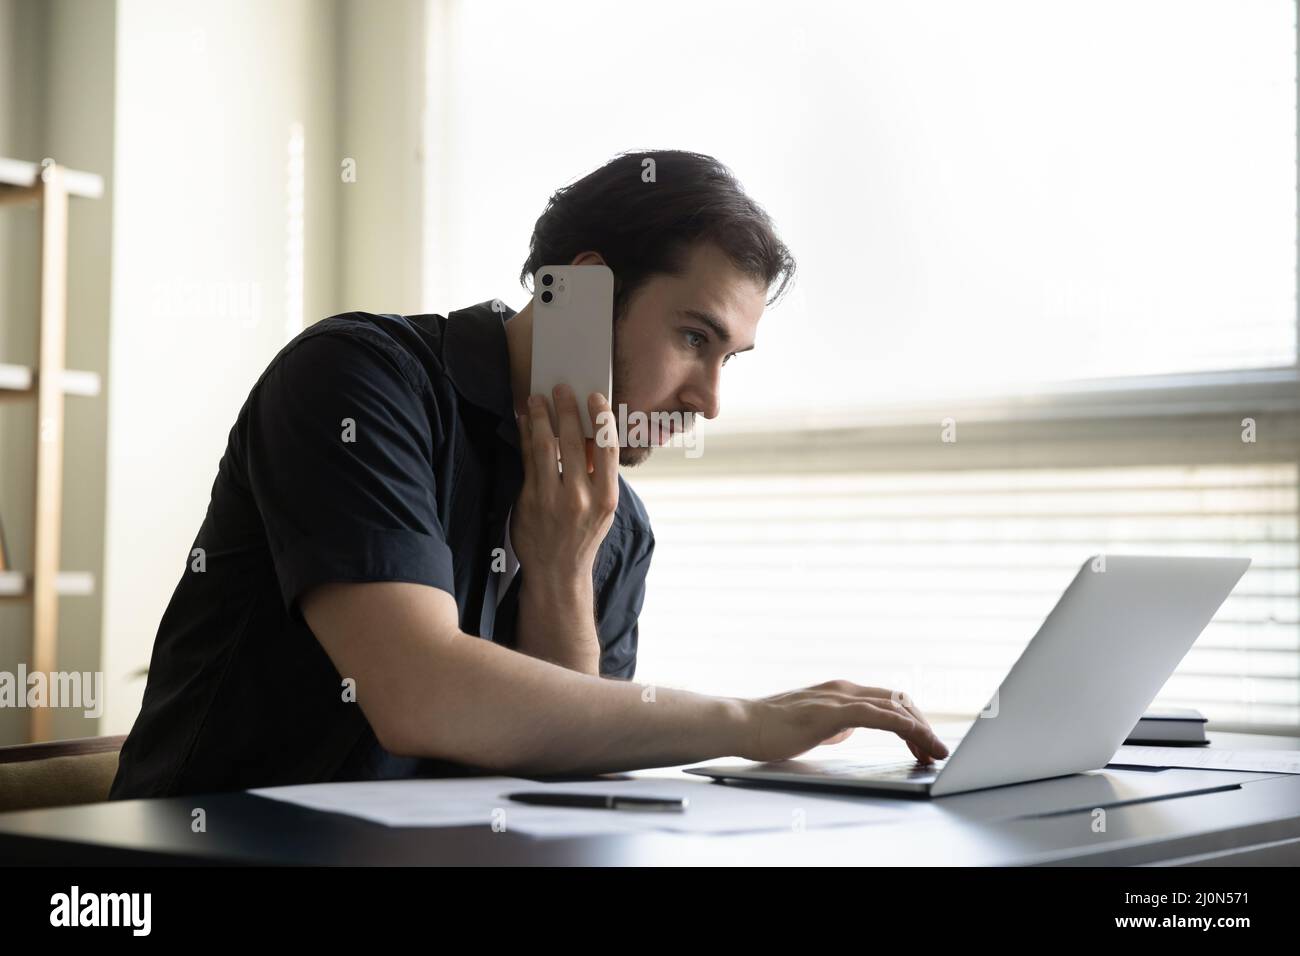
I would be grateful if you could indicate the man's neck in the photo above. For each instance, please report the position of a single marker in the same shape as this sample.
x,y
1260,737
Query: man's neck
x,y
519,343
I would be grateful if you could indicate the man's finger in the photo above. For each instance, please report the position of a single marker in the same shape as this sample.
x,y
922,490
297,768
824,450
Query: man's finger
x,y
571,450
887,699
543,441
888,715
525,444
906,701
924,756
604,477
915,711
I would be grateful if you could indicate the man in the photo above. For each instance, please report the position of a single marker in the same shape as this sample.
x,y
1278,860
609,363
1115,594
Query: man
x,y
346,612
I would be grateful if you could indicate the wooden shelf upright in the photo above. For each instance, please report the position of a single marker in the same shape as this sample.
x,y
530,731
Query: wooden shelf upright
x,y
49,185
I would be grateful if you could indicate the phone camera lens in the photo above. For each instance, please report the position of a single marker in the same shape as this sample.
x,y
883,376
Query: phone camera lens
x,y
547,278
547,296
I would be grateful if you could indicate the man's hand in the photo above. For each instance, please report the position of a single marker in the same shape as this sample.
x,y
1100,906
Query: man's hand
x,y
556,529
786,725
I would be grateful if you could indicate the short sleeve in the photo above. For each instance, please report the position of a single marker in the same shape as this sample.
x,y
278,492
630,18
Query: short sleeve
x,y
339,452
619,602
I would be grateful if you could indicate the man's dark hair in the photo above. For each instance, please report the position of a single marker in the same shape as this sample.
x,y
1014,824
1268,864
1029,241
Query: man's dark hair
x,y
645,228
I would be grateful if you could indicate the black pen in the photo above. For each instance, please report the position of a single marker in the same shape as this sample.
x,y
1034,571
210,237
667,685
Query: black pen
x,y
601,801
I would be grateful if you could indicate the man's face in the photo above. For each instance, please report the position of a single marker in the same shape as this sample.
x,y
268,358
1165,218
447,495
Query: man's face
x,y
676,335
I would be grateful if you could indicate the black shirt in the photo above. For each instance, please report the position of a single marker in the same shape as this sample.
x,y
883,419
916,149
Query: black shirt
x,y
372,448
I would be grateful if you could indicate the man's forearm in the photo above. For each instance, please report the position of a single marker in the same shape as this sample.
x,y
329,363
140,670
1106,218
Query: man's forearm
x,y
478,703
557,623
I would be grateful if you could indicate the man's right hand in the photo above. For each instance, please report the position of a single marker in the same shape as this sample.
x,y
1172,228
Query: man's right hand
x,y
786,725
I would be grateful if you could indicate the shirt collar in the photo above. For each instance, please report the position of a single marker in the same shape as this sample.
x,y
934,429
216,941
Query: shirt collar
x,y
477,360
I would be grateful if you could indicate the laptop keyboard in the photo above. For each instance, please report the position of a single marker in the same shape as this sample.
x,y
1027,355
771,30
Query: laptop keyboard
x,y
892,769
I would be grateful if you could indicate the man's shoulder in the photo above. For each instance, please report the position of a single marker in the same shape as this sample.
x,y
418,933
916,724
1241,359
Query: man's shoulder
x,y
409,343
389,329
368,324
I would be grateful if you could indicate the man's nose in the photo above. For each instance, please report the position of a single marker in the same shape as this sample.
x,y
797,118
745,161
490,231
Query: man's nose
x,y
702,397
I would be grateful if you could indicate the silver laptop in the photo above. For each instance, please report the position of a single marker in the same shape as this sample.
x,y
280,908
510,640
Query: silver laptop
x,y
1072,697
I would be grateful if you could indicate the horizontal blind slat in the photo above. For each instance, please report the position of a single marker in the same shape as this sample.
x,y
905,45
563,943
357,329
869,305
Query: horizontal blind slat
x,y
809,576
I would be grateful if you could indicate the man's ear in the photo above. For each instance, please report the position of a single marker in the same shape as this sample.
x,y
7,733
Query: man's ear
x,y
588,258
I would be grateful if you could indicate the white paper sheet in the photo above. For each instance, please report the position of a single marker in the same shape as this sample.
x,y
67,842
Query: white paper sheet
x,y
1208,758
481,801
717,808
450,802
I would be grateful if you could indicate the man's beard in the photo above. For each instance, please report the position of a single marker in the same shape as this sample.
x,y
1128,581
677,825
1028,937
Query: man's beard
x,y
633,456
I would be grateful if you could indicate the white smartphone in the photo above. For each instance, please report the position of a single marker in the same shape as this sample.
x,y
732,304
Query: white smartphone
x,y
573,327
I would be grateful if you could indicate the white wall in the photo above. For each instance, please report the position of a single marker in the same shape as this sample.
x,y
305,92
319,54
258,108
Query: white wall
x,y
381,104
206,97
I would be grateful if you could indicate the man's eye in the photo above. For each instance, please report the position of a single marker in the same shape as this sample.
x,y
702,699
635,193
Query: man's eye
x,y
690,332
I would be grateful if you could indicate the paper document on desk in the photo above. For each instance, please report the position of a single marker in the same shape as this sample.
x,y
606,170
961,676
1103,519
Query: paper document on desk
x,y
481,801
715,808
1266,761
448,802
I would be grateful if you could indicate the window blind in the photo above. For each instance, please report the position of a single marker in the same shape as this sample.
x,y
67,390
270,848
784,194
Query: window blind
x,y
932,580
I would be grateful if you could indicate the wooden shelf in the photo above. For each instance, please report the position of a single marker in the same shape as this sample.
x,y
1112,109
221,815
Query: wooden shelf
x,y
18,179
17,585
49,187
19,381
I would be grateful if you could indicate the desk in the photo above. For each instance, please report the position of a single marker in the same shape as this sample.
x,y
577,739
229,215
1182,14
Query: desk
x,y
1254,822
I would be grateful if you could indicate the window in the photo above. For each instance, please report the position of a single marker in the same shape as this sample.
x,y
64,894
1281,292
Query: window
x,y
1069,226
